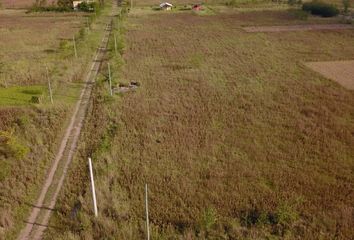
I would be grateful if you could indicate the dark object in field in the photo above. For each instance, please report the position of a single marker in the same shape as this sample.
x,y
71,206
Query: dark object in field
x,y
36,99
134,83
197,7
75,210
320,8
123,88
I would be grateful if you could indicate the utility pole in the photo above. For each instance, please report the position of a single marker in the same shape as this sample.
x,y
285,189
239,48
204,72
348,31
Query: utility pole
x,y
75,46
131,4
88,25
49,85
110,79
93,188
115,44
147,212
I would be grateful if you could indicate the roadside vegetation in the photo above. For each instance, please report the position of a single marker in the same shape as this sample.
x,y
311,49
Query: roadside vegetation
x,y
235,137
321,9
30,126
65,6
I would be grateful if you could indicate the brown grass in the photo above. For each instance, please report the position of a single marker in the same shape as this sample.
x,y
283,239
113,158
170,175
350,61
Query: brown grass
x,y
21,3
36,130
29,41
235,137
291,28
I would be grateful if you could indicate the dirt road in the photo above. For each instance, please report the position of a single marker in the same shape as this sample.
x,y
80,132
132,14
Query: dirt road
x,y
291,28
38,220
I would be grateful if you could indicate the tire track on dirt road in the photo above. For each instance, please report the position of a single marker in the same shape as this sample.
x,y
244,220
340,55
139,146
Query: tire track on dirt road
x,y
38,220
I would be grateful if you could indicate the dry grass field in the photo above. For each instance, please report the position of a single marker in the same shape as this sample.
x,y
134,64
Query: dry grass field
x,y
17,3
21,4
29,133
236,138
29,41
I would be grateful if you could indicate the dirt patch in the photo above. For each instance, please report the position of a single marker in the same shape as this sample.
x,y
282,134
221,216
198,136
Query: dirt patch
x,y
22,3
339,71
298,28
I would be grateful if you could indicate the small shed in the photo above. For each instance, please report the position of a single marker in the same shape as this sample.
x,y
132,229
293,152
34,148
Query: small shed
x,y
76,4
197,7
166,6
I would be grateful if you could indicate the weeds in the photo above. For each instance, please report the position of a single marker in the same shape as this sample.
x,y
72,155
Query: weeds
x,y
195,61
300,14
346,5
10,145
208,219
30,133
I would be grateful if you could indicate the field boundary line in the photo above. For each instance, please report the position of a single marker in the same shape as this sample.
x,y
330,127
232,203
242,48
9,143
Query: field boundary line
x,y
292,28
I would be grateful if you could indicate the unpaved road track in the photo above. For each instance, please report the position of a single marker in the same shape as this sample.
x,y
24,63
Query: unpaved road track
x,y
38,220
291,28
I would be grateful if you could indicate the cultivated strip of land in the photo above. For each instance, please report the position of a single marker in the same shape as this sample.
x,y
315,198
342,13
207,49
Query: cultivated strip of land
x,y
40,214
339,71
298,28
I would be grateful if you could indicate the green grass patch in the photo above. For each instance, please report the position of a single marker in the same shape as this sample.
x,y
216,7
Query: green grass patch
x,y
68,94
20,95
27,95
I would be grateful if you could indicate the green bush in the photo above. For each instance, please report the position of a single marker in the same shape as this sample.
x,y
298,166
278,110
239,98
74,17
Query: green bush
x,y
87,7
208,219
286,215
320,8
49,9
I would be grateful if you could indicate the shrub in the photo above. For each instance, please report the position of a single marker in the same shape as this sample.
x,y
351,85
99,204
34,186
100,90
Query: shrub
x,y
10,146
208,219
65,4
294,2
87,7
36,99
346,5
286,215
320,8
